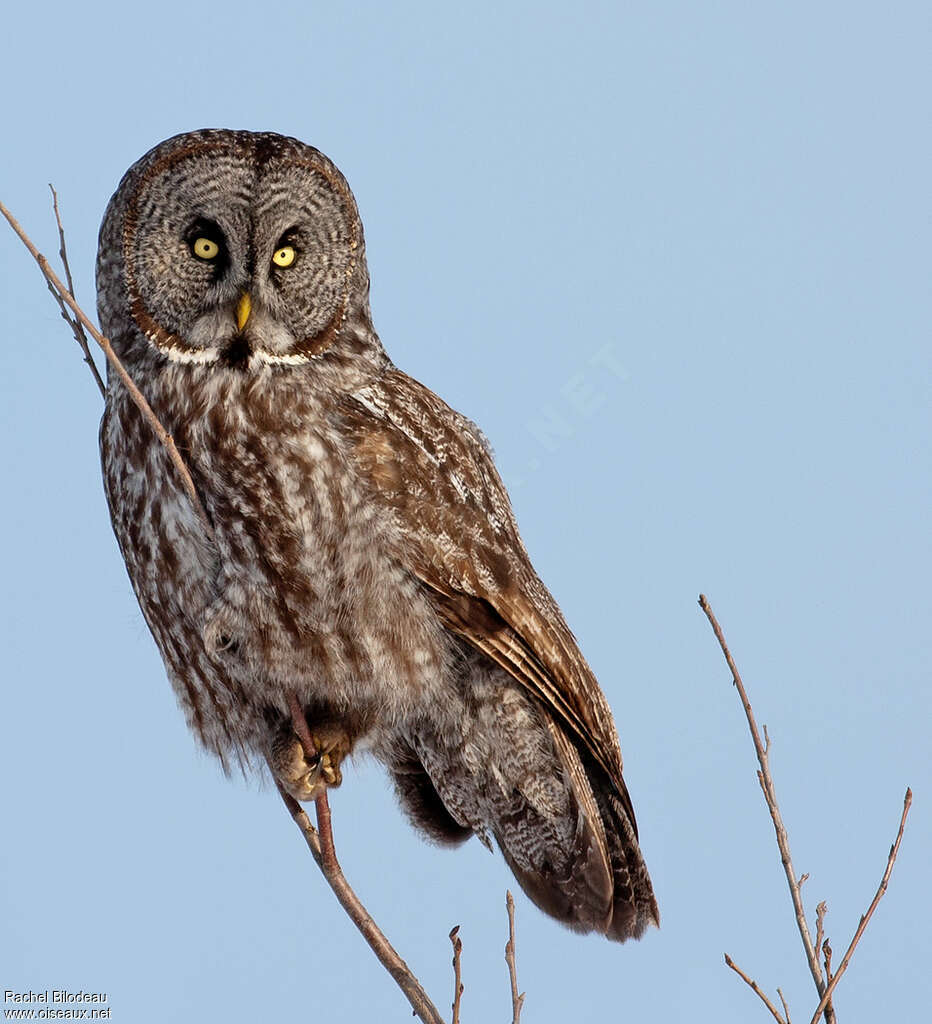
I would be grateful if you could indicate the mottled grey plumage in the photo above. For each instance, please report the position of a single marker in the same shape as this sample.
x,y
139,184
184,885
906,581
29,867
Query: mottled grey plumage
x,y
363,553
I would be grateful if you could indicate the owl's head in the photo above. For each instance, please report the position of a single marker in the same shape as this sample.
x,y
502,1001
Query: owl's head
x,y
232,247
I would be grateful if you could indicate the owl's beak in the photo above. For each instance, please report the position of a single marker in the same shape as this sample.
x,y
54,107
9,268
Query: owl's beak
x,y
243,309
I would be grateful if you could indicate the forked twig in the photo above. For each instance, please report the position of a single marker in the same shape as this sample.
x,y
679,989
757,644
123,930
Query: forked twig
x,y
63,295
333,873
753,984
786,1009
302,820
321,846
862,924
770,797
457,973
75,325
517,1001
825,984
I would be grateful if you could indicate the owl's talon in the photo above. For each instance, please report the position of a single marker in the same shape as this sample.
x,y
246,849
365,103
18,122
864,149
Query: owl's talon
x,y
330,771
305,778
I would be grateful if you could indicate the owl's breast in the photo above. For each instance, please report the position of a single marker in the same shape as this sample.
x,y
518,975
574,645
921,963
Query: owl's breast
x,y
312,592
300,588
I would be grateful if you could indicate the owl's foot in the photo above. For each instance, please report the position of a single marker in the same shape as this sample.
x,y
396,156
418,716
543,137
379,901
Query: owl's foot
x,y
306,778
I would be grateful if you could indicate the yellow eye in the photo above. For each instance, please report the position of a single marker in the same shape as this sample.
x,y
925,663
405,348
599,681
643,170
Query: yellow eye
x,y
205,248
284,256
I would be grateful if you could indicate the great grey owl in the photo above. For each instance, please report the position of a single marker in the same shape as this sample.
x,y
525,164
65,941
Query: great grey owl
x,y
361,555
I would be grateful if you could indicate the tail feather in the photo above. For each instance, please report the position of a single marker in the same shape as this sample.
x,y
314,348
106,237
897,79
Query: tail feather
x,y
634,905
611,857
563,825
420,798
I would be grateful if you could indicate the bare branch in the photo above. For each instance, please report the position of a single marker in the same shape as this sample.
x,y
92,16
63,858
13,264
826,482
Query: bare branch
x,y
333,873
301,728
827,952
457,973
821,910
753,984
303,822
517,1001
786,1009
138,398
74,324
770,796
862,924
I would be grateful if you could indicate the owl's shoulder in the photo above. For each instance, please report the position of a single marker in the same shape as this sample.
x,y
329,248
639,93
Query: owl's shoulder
x,y
395,397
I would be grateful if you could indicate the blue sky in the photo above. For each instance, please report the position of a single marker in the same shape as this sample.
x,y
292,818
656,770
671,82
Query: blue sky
x,y
673,258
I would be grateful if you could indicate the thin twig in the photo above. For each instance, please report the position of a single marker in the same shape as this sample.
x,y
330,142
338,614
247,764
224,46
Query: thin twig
x,y
302,820
75,325
753,984
333,873
786,1009
862,924
770,797
161,433
301,728
457,973
517,1001
821,910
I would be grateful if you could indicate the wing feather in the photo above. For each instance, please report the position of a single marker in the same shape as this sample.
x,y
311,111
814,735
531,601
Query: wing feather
x,y
433,468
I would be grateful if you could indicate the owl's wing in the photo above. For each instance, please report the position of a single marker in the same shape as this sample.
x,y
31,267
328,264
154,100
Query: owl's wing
x,y
432,467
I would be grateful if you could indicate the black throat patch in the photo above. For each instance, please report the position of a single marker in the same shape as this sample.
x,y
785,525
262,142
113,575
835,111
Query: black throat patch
x,y
237,354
